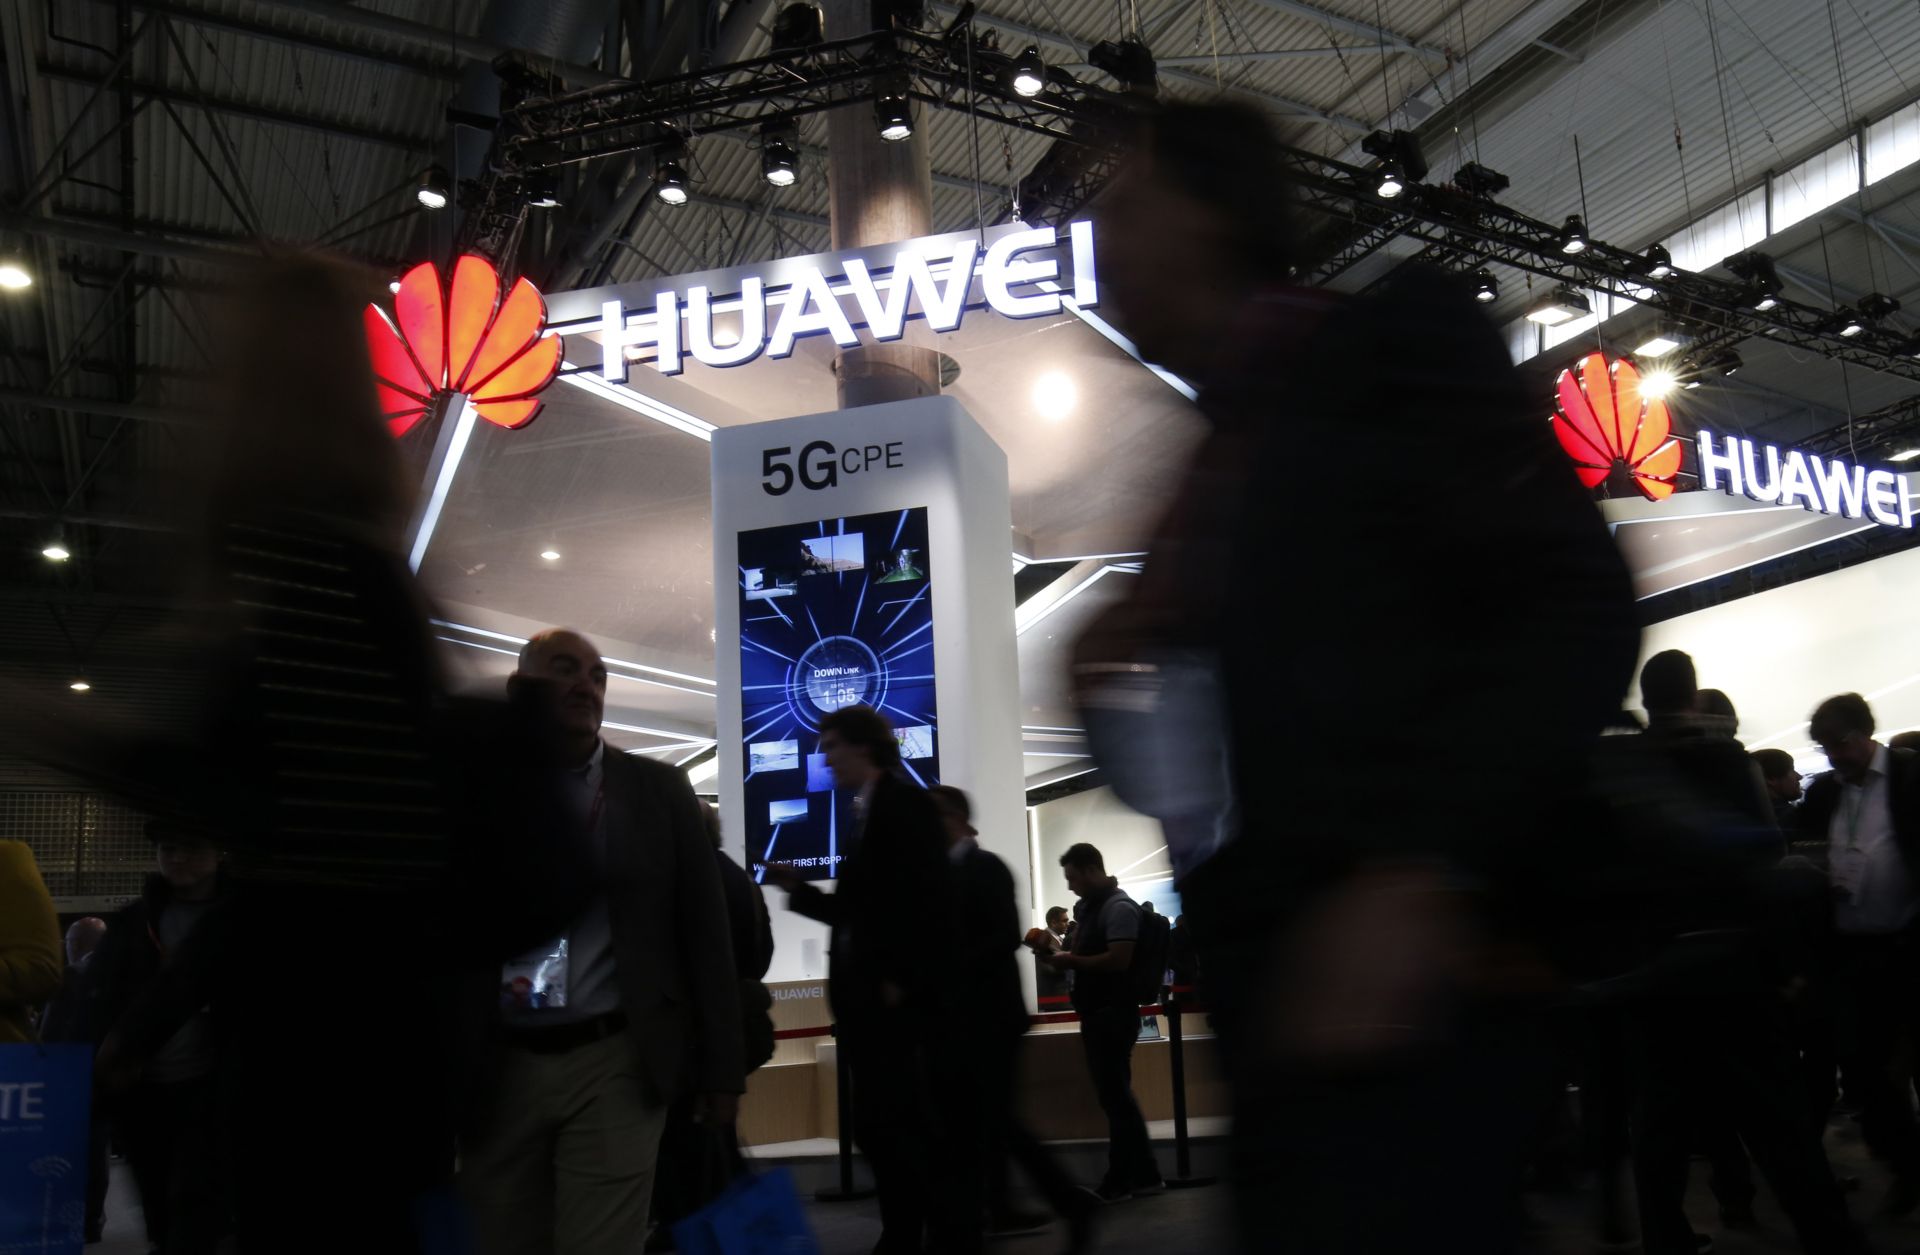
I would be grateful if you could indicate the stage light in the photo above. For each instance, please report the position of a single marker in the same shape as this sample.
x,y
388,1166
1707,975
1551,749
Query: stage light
x,y
670,177
1573,236
1486,288
799,26
1659,262
1658,384
1562,304
1848,323
543,189
779,159
432,192
81,686
1401,161
1659,344
1476,180
1905,455
56,553
550,555
1877,306
1764,284
1127,60
893,113
1392,182
14,276
1029,72
1727,362
393,286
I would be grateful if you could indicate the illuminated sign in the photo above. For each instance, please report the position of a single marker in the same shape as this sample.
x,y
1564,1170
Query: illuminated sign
x,y
469,337
1776,476
1605,422
934,277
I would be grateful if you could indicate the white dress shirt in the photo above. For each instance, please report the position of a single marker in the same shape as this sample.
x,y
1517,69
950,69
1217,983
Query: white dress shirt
x,y
1873,889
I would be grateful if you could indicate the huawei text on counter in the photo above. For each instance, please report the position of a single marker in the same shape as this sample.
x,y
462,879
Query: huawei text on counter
x,y
1788,477
820,464
770,322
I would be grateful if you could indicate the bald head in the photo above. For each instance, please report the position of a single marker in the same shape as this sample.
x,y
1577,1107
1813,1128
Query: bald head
x,y
83,937
566,668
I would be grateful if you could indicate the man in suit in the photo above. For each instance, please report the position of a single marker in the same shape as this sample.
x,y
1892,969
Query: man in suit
x,y
636,1004
1867,809
981,1071
886,993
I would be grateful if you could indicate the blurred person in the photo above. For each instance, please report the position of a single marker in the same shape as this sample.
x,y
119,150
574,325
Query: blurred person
x,y
1050,983
163,1113
1182,959
1349,933
1782,780
639,998
366,812
30,970
65,1020
1104,995
980,1070
1868,811
697,1159
1908,740
888,998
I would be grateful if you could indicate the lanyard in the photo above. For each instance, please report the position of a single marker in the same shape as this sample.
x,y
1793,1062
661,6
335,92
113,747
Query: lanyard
x,y
1856,802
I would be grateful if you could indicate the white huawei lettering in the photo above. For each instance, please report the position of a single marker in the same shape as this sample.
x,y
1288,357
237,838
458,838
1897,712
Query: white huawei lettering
x,y
1775,476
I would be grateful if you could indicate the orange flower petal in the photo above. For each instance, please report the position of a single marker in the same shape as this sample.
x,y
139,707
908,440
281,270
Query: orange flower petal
x,y
395,400
514,330
1656,426
401,424
509,414
392,364
1597,383
1629,404
1579,434
526,374
423,320
476,289
1655,474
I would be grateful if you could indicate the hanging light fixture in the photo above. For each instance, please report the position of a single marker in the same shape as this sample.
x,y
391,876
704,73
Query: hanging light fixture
x,y
14,274
670,183
779,158
543,189
1659,262
1562,304
433,191
1573,236
1029,72
1486,288
893,110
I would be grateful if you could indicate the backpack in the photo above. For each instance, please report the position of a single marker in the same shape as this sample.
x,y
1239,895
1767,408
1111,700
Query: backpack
x,y
1147,974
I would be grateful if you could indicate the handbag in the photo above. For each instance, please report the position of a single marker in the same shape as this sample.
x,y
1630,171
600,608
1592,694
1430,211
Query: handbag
x,y
46,1092
759,1214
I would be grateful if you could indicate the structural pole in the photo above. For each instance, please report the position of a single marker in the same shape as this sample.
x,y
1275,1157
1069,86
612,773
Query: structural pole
x,y
878,193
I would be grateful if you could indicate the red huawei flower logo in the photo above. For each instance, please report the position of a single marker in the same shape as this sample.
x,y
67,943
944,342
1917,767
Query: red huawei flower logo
x,y
470,339
1603,421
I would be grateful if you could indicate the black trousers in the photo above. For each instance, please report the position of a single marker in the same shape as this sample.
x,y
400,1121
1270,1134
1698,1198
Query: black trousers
x,y
1876,992
168,1132
1725,1060
894,1120
1107,1037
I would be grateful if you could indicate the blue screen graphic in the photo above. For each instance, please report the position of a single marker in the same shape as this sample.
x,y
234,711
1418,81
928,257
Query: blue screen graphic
x,y
832,614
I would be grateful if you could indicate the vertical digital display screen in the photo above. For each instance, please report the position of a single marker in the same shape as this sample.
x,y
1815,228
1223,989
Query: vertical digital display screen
x,y
832,614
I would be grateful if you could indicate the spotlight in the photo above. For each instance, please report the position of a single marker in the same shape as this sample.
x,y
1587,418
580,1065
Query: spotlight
x,y
1486,288
432,192
1876,306
1659,262
1764,284
393,286
1848,323
893,112
550,555
1727,362
1662,342
1029,72
799,26
1573,236
14,276
1905,455
669,176
1563,304
1476,180
56,552
81,686
1657,385
1126,60
779,160
543,189
1401,161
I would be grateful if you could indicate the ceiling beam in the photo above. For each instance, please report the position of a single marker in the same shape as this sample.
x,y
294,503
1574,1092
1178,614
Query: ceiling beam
x,y
409,143
427,63
93,405
1375,35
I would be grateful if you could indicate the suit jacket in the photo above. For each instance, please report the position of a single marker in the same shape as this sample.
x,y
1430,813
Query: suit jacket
x,y
672,948
1815,813
986,941
747,919
897,868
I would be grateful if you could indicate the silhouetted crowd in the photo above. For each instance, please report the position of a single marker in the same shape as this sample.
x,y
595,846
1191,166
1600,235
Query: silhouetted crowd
x,y
421,972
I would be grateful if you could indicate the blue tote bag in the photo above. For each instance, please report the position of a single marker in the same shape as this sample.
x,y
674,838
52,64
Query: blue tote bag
x,y
758,1214
45,1092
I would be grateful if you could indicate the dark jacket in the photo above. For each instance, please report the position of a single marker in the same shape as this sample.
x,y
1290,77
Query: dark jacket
x,y
897,867
1903,799
985,938
123,971
747,920
64,1020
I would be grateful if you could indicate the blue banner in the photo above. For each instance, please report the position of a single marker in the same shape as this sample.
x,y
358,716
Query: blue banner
x,y
45,1092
